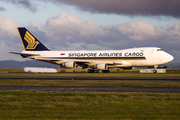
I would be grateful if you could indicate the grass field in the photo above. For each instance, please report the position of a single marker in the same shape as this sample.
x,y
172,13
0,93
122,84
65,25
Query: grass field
x,y
117,83
88,105
80,73
87,75
52,105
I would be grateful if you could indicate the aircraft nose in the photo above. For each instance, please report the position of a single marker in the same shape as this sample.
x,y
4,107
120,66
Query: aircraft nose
x,y
171,58
166,58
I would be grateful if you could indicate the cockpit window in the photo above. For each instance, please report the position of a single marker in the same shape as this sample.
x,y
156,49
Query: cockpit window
x,y
159,49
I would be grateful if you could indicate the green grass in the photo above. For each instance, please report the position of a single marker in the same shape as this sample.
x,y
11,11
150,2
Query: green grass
x,y
62,70
88,105
80,73
13,70
87,75
123,83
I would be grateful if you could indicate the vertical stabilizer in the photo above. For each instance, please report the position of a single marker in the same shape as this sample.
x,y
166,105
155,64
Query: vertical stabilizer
x,y
30,42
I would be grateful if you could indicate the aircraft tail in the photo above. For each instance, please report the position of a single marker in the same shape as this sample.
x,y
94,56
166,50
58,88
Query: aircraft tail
x,y
30,42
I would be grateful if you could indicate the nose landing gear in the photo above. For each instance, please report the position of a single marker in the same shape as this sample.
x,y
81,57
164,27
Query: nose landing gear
x,y
155,69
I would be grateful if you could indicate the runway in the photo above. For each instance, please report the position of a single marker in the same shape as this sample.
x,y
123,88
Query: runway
x,y
92,78
93,88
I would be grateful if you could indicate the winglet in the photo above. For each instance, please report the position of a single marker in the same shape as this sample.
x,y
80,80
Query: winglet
x,y
30,42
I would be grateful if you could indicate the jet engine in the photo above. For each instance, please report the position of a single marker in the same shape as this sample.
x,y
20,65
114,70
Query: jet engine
x,y
69,64
100,66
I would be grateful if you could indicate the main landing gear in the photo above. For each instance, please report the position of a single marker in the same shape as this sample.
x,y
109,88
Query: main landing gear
x,y
105,71
93,71
97,71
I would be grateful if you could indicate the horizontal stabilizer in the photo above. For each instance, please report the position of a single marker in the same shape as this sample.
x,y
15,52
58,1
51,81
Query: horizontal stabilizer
x,y
24,55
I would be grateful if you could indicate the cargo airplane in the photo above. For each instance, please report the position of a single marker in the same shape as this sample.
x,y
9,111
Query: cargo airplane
x,y
94,60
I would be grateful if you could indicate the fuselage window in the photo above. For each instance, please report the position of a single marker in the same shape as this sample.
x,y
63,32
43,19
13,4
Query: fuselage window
x,y
159,49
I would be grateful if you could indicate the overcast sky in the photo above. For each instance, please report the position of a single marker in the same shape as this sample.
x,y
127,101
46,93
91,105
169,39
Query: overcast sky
x,y
91,24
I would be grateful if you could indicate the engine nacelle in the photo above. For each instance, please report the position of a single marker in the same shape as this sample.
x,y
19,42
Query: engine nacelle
x,y
69,64
100,66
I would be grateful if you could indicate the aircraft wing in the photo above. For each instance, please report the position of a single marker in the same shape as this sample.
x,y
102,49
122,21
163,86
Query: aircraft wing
x,y
81,61
60,61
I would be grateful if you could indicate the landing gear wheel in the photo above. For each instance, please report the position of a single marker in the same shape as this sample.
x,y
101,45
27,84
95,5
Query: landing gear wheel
x,y
154,71
91,71
105,71
96,71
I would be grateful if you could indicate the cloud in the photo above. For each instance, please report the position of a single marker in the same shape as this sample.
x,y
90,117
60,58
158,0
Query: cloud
x,y
68,29
128,7
8,27
25,3
120,7
8,37
68,32
2,8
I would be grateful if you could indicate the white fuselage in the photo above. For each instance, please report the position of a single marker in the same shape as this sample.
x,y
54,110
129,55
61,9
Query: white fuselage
x,y
145,56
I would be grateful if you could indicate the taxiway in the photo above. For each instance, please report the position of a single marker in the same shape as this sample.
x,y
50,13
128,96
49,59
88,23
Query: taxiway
x,y
92,88
92,78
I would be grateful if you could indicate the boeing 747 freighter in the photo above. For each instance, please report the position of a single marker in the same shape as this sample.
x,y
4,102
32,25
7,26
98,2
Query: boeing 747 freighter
x,y
94,60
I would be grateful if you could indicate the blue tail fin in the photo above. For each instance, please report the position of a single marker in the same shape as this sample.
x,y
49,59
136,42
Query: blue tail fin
x,y
30,42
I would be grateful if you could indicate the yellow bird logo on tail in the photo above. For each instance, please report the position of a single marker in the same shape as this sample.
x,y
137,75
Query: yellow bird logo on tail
x,y
30,40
